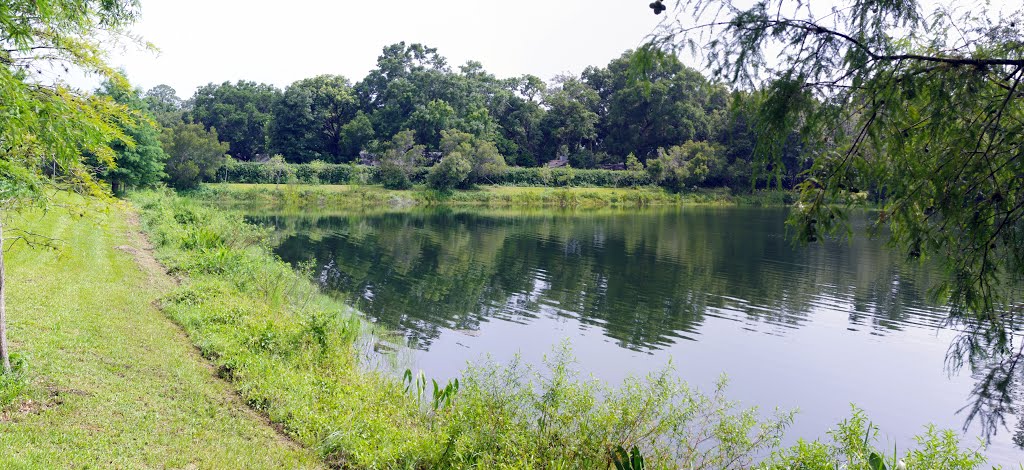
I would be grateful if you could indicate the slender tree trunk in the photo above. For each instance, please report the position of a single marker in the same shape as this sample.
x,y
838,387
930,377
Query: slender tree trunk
x,y
4,352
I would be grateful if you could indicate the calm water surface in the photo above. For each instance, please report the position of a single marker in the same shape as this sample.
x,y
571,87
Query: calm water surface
x,y
714,290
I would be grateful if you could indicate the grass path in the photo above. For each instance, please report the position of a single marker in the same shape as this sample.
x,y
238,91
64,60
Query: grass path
x,y
115,383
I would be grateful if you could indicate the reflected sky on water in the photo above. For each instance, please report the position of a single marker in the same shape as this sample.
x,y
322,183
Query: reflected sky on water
x,y
714,290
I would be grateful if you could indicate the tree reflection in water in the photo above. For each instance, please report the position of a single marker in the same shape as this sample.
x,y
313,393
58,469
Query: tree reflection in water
x,y
645,279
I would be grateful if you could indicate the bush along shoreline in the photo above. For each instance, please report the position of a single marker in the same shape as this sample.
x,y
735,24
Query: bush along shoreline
x,y
334,173
298,356
325,197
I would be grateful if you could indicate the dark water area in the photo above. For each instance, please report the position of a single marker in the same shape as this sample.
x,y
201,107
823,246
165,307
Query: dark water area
x,y
713,290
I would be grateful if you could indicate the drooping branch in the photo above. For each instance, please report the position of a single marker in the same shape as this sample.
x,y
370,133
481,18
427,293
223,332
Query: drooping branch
x,y
956,61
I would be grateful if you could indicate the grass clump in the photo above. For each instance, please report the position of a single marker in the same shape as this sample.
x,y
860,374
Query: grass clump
x,y
552,418
13,383
853,443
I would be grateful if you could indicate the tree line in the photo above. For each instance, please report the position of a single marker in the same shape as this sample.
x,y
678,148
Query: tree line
x,y
414,110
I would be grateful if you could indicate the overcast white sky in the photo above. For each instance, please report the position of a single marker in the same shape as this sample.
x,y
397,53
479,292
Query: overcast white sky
x,y
203,41
280,42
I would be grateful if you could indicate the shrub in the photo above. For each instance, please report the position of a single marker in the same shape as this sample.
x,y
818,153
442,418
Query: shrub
x,y
544,176
852,446
280,171
486,163
314,169
583,158
308,173
393,177
12,384
687,165
633,163
194,154
313,173
451,172
400,159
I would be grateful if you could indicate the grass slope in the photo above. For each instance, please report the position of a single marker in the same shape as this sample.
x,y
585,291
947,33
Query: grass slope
x,y
112,381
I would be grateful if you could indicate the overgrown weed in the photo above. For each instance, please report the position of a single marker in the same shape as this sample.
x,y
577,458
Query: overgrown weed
x,y
14,383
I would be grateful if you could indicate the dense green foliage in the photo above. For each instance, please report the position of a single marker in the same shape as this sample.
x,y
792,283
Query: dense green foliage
x,y
657,106
400,160
195,154
47,127
140,165
261,173
451,172
485,164
308,121
325,173
518,176
592,120
163,104
687,165
240,112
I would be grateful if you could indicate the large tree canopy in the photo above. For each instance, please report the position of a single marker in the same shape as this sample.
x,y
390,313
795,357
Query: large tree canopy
x,y
597,118
165,105
924,108
240,113
572,117
309,117
666,105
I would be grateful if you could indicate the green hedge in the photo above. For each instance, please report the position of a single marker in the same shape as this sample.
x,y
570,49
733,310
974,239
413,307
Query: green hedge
x,y
307,173
265,173
519,176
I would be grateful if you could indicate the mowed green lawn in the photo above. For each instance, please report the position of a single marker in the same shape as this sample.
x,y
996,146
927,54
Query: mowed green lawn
x,y
113,383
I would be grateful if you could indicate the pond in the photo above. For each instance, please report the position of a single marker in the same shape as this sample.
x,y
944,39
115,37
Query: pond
x,y
713,290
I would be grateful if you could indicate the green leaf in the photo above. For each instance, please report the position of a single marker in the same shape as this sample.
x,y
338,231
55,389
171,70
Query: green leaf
x,y
875,462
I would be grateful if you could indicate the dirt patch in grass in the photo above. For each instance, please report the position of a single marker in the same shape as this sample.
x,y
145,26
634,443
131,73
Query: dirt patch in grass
x,y
141,251
26,407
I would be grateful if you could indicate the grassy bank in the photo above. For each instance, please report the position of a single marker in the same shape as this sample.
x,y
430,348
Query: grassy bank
x,y
300,357
294,354
109,380
327,197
